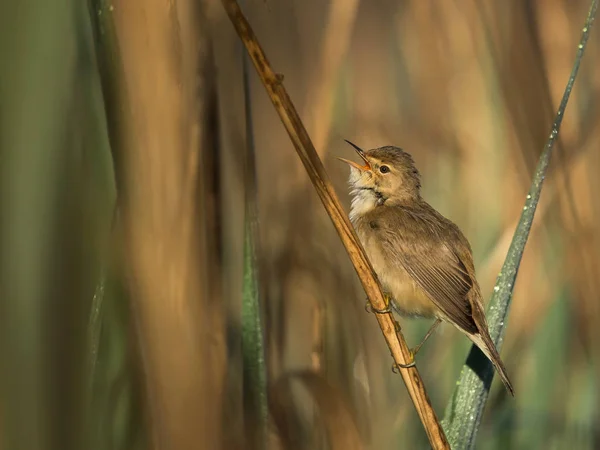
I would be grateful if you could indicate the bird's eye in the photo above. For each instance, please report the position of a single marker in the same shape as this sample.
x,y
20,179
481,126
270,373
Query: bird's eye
x,y
384,169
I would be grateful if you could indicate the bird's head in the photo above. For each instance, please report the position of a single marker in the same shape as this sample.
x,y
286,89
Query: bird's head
x,y
389,173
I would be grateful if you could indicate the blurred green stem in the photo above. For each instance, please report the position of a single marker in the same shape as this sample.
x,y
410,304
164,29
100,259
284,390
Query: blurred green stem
x,y
114,101
255,379
108,56
465,409
109,66
95,326
38,50
255,372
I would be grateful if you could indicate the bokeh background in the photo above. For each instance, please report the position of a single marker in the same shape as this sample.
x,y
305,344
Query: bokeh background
x,y
123,328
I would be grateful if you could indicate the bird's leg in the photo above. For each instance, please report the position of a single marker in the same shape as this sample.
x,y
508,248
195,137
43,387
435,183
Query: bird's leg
x,y
386,310
389,304
415,350
369,308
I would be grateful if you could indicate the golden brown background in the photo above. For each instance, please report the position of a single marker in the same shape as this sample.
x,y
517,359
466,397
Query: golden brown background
x,y
469,88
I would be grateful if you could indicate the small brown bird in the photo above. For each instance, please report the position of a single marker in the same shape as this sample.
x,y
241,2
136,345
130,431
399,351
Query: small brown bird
x,y
423,261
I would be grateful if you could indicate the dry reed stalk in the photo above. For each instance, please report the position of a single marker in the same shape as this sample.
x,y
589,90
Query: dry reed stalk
x,y
425,41
551,64
317,327
320,99
165,220
576,199
372,91
319,113
321,94
322,184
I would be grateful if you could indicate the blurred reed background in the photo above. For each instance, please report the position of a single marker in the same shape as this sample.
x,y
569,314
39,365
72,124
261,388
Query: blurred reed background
x,y
123,324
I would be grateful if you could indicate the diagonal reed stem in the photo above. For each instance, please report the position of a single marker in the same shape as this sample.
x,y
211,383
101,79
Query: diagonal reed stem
x,y
465,409
316,171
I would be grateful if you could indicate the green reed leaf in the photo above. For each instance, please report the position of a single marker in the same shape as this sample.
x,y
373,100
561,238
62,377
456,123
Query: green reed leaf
x,y
465,409
255,372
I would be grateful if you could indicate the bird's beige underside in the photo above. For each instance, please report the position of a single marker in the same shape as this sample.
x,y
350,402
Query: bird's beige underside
x,y
408,297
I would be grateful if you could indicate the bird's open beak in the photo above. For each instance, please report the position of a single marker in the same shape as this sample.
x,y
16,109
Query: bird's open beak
x,y
361,153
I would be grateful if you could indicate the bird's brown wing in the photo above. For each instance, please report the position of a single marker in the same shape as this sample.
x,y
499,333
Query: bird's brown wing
x,y
420,241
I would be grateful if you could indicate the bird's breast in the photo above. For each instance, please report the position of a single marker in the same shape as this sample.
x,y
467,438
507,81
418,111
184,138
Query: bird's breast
x,y
408,296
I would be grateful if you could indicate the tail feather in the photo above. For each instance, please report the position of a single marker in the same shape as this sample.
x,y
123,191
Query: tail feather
x,y
486,345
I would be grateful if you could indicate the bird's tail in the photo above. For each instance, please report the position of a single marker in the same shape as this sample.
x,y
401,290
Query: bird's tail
x,y
485,343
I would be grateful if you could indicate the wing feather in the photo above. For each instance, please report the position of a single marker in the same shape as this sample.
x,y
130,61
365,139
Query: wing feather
x,y
421,250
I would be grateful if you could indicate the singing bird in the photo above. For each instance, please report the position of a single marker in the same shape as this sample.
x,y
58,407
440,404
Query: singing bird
x,y
423,261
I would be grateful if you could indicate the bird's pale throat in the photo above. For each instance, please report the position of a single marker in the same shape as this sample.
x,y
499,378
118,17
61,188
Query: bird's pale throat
x,y
364,199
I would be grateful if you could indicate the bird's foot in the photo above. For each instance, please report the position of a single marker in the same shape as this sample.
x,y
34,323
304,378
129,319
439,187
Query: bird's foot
x,y
397,366
370,309
388,302
413,351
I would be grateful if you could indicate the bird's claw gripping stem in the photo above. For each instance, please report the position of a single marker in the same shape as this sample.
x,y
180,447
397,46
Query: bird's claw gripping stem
x,y
397,366
370,309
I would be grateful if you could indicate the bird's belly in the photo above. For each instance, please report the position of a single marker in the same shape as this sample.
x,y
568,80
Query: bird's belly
x,y
409,298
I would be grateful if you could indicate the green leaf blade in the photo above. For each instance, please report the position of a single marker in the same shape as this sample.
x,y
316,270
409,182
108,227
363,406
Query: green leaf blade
x,y
465,409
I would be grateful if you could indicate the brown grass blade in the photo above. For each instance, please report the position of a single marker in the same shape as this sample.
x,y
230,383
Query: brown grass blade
x,y
320,98
322,184
167,210
319,108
